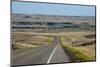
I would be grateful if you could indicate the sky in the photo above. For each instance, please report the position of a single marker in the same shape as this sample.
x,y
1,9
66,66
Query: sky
x,y
52,9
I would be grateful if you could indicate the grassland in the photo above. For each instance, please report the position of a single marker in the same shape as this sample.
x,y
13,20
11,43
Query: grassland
x,y
20,40
81,45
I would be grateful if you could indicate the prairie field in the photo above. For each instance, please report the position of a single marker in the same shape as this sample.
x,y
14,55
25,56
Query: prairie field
x,y
20,40
81,44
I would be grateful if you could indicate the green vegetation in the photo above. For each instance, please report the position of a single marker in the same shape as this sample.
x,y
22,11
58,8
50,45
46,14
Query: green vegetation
x,y
80,53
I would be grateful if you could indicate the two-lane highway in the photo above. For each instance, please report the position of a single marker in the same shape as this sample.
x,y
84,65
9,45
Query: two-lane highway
x,y
53,53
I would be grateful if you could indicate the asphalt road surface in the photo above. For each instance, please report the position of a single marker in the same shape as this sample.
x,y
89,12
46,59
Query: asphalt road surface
x,y
53,53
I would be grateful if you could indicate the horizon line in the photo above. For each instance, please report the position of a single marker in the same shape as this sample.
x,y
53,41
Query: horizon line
x,y
54,15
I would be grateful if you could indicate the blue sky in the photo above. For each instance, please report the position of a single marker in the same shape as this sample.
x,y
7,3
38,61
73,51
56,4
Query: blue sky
x,y
52,9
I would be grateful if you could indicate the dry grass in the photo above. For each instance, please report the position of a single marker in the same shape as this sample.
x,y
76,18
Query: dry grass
x,y
82,45
28,40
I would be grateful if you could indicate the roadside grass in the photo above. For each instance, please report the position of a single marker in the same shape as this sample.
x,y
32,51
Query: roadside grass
x,y
80,53
30,41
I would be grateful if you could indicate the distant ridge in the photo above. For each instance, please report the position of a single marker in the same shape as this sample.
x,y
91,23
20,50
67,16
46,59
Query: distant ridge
x,y
52,18
53,15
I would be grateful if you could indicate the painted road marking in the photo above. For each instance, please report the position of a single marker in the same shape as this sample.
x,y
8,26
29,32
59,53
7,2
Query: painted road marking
x,y
51,55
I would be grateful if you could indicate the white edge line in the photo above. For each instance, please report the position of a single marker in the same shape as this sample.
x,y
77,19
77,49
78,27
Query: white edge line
x,y
51,55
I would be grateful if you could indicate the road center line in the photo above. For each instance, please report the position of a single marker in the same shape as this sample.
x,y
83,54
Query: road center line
x,y
51,55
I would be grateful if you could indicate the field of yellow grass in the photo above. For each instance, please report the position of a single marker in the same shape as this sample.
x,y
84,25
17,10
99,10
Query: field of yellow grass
x,y
82,45
29,40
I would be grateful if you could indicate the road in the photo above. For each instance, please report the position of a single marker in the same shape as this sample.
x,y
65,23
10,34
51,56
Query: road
x,y
53,53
